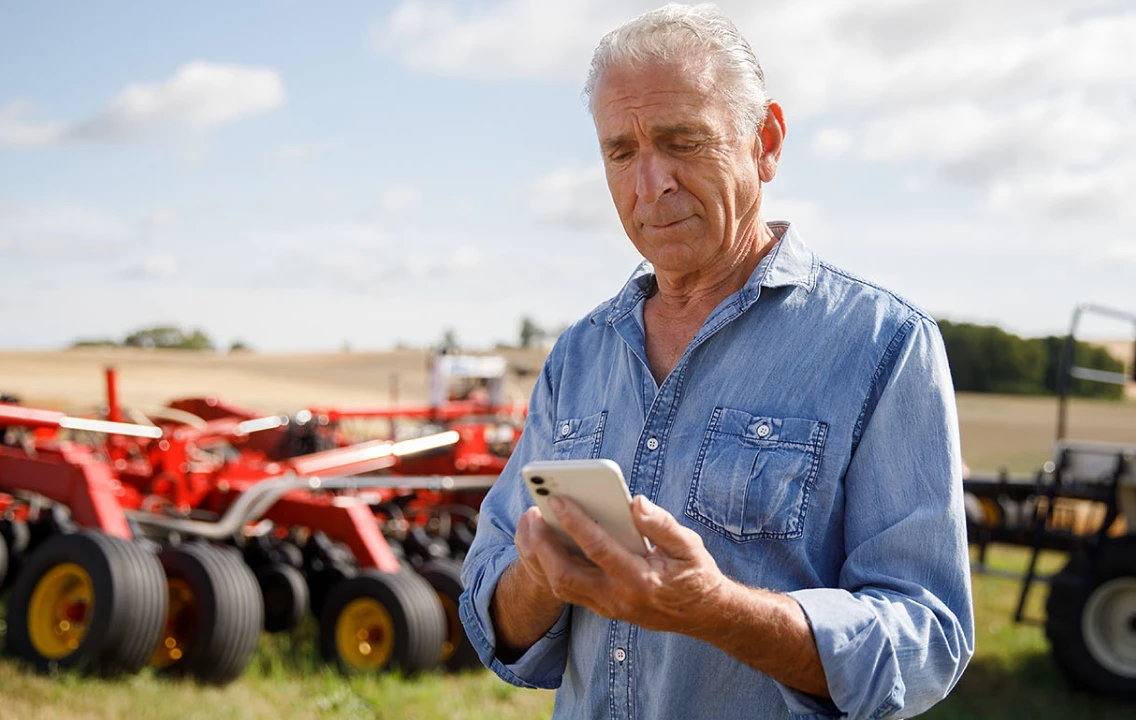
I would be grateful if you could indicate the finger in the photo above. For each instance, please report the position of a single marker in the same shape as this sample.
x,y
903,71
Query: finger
x,y
662,529
523,537
598,545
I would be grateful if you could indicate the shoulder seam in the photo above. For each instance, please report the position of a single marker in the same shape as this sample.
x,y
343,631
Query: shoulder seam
x,y
857,279
897,340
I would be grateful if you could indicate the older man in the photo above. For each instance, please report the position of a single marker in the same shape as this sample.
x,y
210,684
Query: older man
x,y
789,430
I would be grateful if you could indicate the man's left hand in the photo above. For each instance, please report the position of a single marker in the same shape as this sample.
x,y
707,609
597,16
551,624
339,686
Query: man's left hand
x,y
670,589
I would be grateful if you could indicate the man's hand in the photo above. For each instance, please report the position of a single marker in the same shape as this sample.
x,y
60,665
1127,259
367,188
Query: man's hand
x,y
677,588
667,590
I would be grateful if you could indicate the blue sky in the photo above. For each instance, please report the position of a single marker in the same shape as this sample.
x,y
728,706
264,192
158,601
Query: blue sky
x,y
301,176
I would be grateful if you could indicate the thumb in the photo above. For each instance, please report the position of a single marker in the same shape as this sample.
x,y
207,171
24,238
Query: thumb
x,y
662,529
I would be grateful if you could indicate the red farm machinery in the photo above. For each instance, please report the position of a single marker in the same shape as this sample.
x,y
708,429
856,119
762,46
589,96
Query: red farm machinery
x,y
1083,503
175,537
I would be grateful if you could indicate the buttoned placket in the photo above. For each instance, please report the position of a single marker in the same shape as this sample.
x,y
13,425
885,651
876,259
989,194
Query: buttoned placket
x,y
647,469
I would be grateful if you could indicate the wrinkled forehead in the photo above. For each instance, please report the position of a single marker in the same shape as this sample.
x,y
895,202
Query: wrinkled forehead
x,y
646,94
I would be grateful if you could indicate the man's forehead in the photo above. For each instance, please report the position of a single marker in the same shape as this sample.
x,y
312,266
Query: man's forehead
x,y
658,97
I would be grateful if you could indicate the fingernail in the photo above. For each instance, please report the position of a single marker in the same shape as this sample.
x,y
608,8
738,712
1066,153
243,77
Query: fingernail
x,y
645,505
556,504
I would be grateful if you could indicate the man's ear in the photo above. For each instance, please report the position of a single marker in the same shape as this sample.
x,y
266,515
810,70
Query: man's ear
x,y
772,136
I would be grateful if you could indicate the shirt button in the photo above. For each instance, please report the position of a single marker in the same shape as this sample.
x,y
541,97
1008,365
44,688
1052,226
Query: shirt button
x,y
652,443
620,655
565,429
763,431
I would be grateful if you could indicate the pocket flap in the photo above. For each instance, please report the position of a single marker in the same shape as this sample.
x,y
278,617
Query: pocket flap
x,y
576,428
799,431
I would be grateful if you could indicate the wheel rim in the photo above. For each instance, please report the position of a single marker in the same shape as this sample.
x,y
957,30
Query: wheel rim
x,y
1109,626
60,611
181,624
364,634
453,627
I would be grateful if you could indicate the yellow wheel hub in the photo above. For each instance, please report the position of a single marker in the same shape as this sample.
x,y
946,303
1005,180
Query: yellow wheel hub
x,y
453,627
60,610
181,624
364,635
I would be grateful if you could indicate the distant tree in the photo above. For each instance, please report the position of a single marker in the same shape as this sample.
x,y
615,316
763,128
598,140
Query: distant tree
x,y
984,358
168,337
100,342
239,346
449,342
197,340
531,333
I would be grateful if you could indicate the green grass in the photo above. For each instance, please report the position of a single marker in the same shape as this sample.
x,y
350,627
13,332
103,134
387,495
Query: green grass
x,y
1012,674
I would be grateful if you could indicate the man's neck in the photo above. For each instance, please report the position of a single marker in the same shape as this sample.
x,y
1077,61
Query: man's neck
x,y
693,295
674,314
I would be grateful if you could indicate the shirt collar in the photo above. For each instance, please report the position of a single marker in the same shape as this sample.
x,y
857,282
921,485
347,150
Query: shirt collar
x,y
790,262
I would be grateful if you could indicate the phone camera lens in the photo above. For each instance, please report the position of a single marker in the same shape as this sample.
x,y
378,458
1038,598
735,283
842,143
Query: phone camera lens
x,y
542,491
537,481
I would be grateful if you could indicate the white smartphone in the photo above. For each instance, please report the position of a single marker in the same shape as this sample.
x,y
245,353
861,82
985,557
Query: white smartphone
x,y
597,486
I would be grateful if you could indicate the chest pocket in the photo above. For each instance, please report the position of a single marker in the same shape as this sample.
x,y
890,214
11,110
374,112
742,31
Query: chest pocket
x,y
578,438
754,474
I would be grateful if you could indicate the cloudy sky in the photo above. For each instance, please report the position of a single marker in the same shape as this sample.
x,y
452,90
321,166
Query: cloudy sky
x,y
302,175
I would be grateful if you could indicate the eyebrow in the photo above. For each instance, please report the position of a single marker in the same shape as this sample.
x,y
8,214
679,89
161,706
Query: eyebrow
x,y
696,131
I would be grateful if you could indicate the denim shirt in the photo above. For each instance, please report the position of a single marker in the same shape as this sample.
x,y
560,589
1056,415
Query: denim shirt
x,y
809,435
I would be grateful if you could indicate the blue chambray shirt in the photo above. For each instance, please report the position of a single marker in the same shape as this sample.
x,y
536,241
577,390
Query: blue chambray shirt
x,y
809,436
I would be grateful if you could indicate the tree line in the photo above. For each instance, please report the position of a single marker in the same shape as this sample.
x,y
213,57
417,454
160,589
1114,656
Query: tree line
x,y
163,337
983,358
987,359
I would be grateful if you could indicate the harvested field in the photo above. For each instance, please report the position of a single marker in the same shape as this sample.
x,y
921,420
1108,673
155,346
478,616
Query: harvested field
x,y
997,430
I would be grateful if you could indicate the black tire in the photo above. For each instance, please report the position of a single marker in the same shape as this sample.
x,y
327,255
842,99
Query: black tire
x,y
16,537
285,596
148,609
3,560
445,577
101,587
215,614
321,582
1091,620
399,614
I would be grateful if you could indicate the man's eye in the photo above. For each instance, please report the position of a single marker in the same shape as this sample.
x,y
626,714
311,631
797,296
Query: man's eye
x,y
620,156
684,147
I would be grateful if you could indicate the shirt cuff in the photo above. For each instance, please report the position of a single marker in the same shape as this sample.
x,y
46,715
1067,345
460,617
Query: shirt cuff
x,y
542,665
857,656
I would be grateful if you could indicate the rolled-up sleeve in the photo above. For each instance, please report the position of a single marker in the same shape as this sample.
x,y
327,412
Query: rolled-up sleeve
x,y
493,550
897,633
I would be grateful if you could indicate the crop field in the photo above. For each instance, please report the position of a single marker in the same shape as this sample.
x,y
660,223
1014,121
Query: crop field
x,y
1012,675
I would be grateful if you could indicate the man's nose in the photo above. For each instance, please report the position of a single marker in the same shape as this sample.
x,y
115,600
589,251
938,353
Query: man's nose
x,y
655,177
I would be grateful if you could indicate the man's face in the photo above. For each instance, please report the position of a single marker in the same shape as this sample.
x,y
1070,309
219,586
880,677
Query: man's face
x,y
687,188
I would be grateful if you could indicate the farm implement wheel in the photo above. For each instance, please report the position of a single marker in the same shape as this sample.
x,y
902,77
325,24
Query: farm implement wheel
x,y
445,577
285,596
1091,620
214,617
87,602
5,560
380,621
15,537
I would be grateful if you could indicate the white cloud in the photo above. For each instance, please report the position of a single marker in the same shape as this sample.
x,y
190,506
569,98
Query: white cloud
x,y
573,197
400,200
528,39
153,266
199,97
16,132
61,232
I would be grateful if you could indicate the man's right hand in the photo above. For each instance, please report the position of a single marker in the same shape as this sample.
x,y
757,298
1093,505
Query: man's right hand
x,y
524,606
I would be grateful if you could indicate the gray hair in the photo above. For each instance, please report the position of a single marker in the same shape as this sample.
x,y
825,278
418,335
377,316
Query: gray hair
x,y
687,34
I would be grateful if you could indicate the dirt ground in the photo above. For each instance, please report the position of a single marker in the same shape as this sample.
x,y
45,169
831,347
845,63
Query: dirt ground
x,y
1016,432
